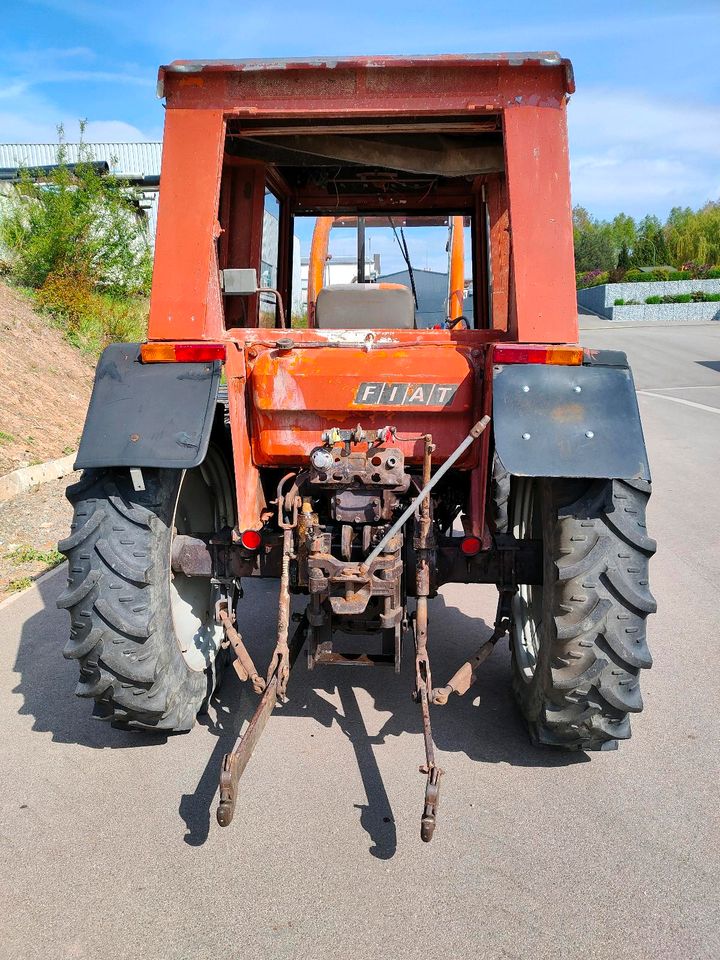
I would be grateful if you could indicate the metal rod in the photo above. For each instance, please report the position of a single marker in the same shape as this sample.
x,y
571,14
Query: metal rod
x,y
406,514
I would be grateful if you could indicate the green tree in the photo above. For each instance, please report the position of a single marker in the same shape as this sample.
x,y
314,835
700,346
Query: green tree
x,y
582,220
593,251
623,261
694,236
624,231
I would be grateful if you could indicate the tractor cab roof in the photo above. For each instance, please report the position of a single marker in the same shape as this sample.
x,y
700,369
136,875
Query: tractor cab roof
x,y
454,73
541,58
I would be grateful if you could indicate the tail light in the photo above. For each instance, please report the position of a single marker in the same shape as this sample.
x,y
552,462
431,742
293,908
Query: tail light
x,y
250,539
182,352
470,546
532,353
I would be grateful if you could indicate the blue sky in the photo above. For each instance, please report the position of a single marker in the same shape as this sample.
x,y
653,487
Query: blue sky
x,y
644,123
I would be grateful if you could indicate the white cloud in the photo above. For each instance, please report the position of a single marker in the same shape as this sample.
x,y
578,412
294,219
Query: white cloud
x,y
114,131
639,154
29,114
40,126
12,90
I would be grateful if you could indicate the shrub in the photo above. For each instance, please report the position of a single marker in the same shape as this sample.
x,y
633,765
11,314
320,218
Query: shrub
x,y
698,296
77,222
619,302
78,239
92,319
593,278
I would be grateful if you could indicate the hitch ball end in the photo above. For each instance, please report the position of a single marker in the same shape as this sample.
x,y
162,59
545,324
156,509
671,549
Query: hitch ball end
x,y
427,828
225,813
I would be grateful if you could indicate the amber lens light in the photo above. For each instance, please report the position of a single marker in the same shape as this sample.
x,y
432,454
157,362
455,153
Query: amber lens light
x,y
530,353
470,546
157,352
182,352
250,539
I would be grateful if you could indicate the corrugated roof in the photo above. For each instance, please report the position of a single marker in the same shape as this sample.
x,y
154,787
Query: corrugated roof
x,y
126,159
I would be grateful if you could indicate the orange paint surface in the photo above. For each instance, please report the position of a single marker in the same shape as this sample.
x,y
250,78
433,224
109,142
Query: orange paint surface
x,y
457,270
185,301
295,395
544,305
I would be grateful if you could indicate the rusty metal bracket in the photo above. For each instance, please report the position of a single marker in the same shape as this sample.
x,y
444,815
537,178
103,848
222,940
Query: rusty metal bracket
x,y
234,763
425,551
280,662
432,786
244,666
466,675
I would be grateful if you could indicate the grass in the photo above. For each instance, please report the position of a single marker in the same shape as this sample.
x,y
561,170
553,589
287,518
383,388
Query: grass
x,y
16,586
90,319
27,554
6,437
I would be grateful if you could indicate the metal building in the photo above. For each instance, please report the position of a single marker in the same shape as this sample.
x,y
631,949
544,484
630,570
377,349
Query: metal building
x,y
431,288
138,163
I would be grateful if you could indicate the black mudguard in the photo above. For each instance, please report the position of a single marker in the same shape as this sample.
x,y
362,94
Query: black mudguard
x,y
569,421
148,414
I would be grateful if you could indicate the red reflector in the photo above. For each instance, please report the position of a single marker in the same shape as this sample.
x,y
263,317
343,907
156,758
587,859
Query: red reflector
x,y
529,353
470,546
250,539
163,352
199,352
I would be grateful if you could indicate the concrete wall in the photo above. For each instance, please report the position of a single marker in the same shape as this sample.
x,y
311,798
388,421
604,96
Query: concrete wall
x,y
669,312
602,299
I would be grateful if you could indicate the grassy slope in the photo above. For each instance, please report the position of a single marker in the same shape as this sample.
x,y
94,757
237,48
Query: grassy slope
x,y
45,386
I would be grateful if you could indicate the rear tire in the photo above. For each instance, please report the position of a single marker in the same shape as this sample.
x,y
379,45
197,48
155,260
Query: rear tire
x,y
147,644
578,642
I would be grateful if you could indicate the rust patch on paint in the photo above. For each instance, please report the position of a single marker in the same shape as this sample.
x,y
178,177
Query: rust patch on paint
x,y
568,413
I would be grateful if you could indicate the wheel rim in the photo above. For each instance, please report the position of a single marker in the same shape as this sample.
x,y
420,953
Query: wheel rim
x,y
204,505
527,602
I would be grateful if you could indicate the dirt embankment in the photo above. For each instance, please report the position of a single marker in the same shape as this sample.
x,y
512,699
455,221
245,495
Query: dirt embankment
x,y
45,386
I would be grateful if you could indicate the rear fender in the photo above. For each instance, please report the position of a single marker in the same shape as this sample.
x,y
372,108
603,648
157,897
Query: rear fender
x,y
569,421
148,414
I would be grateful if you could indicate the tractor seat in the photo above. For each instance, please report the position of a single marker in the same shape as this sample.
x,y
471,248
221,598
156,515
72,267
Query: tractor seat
x,y
361,306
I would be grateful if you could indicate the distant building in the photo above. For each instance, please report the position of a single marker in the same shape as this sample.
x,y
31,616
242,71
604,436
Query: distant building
x,y
138,163
341,270
431,288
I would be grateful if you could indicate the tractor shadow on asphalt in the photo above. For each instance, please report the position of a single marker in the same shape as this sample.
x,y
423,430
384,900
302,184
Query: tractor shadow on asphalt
x,y
47,682
484,725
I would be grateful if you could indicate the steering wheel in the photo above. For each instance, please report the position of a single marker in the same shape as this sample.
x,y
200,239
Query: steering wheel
x,y
453,324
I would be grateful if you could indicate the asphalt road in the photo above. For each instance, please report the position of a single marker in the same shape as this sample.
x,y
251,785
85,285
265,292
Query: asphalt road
x,y
109,848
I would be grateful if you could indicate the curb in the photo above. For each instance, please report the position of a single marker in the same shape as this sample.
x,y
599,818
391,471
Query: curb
x,y
6,600
26,477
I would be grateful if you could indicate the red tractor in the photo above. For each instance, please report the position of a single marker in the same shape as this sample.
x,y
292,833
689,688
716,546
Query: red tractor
x,y
362,452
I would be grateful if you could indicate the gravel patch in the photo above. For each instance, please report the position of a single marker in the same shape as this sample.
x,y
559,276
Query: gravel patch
x,y
30,526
